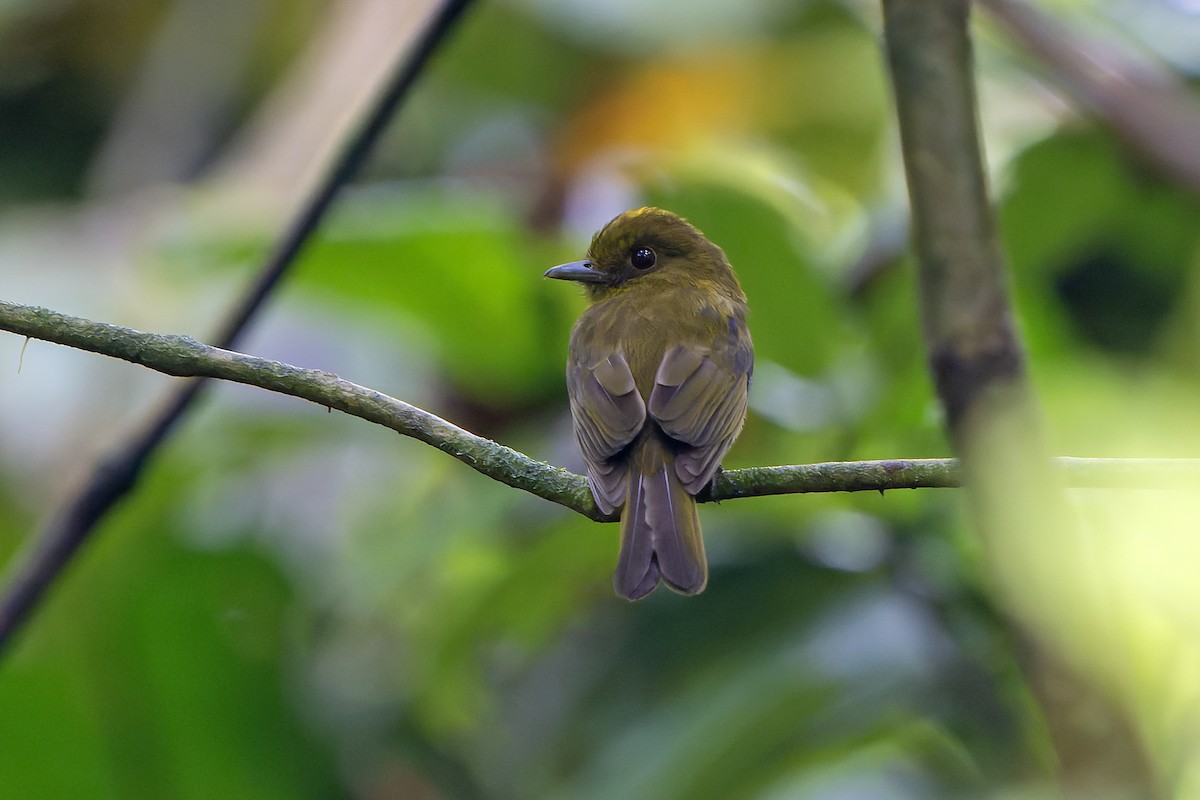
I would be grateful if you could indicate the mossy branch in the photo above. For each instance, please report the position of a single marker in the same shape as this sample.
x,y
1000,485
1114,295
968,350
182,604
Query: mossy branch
x,y
184,357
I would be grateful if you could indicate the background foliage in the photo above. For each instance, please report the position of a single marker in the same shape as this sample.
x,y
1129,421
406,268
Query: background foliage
x,y
295,604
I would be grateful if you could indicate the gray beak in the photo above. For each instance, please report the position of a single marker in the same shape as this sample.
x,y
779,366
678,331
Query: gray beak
x,y
580,271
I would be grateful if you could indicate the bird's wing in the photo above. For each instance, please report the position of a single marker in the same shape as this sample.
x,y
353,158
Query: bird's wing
x,y
699,398
608,414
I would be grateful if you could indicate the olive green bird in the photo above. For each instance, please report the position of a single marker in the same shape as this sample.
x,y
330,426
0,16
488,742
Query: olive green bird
x,y
658,372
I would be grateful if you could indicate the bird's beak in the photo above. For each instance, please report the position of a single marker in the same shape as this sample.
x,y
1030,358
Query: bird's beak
x,y
580,271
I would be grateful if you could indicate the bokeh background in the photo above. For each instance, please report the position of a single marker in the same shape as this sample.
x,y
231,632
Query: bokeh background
x,y
296,604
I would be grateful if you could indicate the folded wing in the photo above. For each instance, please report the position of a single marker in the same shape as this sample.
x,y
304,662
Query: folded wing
x,y
699,399
608,413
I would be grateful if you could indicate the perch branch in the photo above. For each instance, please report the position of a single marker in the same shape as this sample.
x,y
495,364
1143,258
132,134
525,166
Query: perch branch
x,y
184,357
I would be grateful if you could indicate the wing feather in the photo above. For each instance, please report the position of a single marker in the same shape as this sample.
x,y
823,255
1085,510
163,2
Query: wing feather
x,y
699,399
608,414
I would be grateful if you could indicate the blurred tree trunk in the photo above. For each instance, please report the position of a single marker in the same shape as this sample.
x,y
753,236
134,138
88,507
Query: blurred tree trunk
x,y
978,365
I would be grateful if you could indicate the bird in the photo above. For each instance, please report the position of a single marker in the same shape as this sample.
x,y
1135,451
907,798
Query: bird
x,y
658,376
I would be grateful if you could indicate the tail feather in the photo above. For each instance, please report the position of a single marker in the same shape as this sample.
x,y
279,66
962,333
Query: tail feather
x,y
660,529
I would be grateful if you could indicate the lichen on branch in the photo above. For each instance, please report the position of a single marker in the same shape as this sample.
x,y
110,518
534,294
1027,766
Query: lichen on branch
x,y
182,356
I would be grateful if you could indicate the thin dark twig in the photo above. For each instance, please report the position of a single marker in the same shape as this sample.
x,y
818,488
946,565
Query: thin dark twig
x,y
115,474
343,170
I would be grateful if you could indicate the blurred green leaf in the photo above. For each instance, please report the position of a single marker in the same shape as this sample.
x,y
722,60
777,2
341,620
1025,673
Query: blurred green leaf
x,y
463,271
1089,234
173,687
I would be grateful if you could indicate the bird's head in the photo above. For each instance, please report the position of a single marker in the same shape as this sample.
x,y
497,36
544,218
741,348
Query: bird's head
x,y
651,248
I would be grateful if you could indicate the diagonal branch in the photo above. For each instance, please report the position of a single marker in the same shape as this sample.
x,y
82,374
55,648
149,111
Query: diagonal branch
x,y
184,357
115,475
1151,110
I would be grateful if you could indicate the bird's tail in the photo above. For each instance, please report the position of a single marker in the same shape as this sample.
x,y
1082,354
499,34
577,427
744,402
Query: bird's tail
x,y
660,530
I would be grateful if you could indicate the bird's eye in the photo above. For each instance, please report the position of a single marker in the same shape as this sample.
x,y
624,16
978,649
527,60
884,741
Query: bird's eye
x,y
643,258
